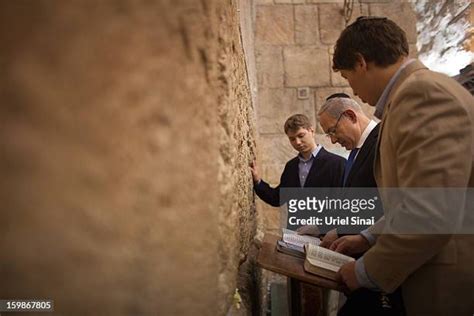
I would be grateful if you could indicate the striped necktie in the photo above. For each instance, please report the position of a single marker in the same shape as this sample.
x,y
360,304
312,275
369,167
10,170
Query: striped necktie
x,y
349,163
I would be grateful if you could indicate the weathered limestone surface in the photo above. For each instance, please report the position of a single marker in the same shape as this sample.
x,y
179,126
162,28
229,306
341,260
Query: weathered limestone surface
x,y
332,20
270,61
336,79
306,24
277,148
401,13
271,120
301,65
126,133
275,24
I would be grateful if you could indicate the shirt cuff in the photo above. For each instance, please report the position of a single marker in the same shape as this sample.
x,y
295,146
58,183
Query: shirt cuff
x,y
370,238
255,184
362,276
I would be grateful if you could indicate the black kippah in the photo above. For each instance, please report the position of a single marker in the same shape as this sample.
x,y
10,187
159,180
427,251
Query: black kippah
x,y
337,95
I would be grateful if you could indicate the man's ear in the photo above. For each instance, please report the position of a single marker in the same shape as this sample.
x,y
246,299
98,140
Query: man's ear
x,y
351,115
360,62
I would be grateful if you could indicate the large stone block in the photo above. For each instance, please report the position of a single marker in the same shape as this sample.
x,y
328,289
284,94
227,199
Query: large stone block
x,y
306,66
275,24
95,124
276,105
271,215
332,21
275,149
306,24
336,79
401,13
272,103
269,66
271,173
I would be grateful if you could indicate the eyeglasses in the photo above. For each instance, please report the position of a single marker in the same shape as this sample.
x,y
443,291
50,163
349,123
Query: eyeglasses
x,y
332,130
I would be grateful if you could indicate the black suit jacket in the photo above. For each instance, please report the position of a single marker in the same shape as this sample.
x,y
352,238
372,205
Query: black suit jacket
x,y
327,171
361,174
364,301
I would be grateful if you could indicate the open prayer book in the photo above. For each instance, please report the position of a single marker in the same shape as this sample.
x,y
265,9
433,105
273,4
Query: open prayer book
x,y
324,262
293,244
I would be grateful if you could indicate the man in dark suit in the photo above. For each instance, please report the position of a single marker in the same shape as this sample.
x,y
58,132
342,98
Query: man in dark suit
x,y
313,167
345,123
354,131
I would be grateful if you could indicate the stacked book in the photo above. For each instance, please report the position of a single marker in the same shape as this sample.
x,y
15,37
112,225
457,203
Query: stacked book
x,y
318,260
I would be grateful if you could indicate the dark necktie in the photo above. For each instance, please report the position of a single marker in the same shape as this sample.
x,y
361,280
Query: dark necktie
x,y
349,163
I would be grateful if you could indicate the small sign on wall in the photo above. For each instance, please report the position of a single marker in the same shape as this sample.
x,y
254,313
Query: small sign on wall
x,y
303,93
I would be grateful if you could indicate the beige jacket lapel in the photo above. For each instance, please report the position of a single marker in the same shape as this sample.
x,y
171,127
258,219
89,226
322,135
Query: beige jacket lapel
x,y
405,73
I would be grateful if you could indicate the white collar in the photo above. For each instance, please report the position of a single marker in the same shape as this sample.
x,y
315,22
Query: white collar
x,y
313,154
366,133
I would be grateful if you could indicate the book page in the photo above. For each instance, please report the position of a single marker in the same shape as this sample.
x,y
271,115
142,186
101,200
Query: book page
x,y
290,246
325,258
300,240
288,232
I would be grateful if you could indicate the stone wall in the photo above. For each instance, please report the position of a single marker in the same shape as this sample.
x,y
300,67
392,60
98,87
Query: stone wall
x,y
126,132
445,34
294,47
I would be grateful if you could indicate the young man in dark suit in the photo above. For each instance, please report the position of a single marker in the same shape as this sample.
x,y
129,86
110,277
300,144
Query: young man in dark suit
x,y
312,167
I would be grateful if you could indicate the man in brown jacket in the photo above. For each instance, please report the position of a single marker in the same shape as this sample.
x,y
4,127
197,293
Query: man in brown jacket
x,y
426,141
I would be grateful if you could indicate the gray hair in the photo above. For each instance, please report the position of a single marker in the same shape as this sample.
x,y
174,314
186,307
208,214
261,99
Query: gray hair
x,y
335,106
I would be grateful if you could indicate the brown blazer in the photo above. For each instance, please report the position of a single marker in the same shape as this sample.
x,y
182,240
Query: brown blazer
x,y
426,140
